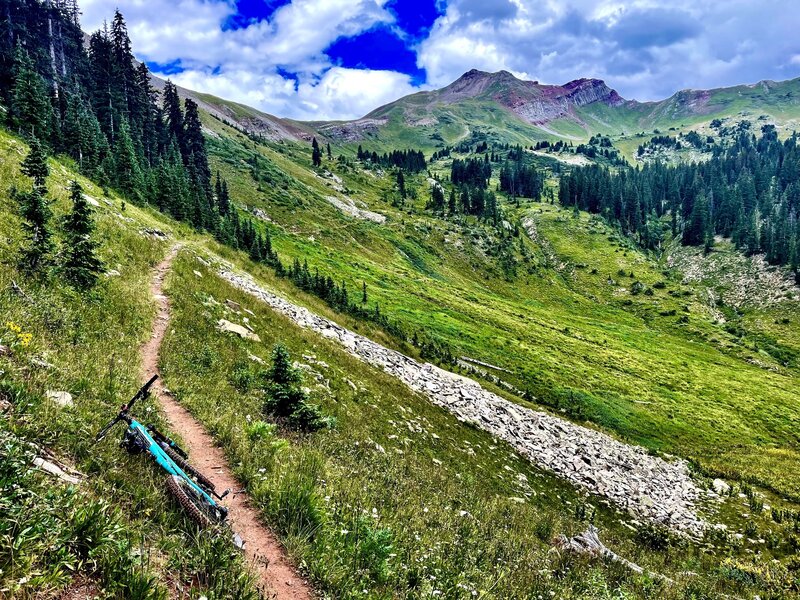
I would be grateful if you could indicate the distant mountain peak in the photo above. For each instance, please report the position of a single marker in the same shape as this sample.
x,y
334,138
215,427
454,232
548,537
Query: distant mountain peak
x,y
529,100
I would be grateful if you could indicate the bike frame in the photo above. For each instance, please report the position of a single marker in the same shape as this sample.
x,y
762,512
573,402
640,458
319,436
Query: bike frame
x,y
165,461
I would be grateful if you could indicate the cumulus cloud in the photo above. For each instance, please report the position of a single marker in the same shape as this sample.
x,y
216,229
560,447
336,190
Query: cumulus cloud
x,y
338,94
247,64
646,49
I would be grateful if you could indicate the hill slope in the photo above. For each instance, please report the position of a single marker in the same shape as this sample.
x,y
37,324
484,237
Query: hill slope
x,y
501,107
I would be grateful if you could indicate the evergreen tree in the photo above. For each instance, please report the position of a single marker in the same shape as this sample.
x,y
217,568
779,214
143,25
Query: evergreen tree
x,y
436,203
31,112
194,146
285,398
173,112
35,166
127,171
80,265
328,147
698,229
36,215
316,153
401,184
101,59
451,201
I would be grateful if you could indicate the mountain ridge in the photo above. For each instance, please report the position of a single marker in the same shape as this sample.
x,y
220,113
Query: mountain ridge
x,y
518,111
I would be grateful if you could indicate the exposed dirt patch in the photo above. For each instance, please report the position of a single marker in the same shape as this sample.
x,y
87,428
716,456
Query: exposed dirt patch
x,y
277,576
81,589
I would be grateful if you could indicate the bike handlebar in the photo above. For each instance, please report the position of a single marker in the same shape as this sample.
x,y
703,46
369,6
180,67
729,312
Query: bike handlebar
x,y
142,393
123,412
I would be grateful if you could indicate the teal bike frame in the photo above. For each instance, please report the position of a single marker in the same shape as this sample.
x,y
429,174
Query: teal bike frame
x,y
145,438
149,444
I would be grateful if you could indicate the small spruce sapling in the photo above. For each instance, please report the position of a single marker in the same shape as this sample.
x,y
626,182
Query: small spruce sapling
x,y
286,398
35,212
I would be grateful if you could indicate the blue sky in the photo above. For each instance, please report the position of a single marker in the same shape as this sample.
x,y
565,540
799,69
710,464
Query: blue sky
x,y
339,59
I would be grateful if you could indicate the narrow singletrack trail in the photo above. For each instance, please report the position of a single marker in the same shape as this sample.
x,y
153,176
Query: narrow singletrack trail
x,y
276,575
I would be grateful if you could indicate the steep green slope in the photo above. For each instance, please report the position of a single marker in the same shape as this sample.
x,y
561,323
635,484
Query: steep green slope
x,y
648,360
116,533
400,499
436,275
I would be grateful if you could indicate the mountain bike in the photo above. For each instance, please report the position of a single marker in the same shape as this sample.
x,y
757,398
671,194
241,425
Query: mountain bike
x,y
191,489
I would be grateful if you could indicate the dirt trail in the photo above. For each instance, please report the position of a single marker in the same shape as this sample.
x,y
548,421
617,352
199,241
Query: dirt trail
x,y
277,576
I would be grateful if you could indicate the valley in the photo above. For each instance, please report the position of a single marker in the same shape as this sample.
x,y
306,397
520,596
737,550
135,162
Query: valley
x,y
483,355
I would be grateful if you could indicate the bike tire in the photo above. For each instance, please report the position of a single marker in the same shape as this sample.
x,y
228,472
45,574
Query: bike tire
x,y
195,508
184,465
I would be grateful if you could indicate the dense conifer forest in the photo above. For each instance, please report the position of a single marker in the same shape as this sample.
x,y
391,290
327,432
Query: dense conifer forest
x,y
98,106
749,190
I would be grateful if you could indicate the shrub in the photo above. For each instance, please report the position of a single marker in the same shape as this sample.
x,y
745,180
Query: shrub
x,y
637,288
259,430
286,399
653,537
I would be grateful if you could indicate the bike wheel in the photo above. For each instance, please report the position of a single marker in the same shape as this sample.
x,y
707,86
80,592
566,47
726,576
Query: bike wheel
x,y
184,465
198,509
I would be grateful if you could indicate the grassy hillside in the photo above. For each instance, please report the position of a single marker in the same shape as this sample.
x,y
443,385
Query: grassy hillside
x,y
399,499
115,534
499,107
589,325
581,346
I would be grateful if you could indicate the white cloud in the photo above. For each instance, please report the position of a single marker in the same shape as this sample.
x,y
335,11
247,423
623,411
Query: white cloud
x,y
350,93
242,64
645,49
339,94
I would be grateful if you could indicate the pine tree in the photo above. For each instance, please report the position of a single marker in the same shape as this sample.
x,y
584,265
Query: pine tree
x,y
80,265
698,229
224,199
401,184
31,112
363,292
194,147
35,166
101,56
316,153
173,112
328,147
36,216
126,168
284,383
35,213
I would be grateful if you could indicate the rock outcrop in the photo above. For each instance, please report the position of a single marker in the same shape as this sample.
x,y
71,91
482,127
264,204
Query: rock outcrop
x,y
647,486
348,206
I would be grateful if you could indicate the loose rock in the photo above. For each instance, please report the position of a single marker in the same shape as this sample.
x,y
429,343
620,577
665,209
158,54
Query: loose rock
x,y
63,399
243,332
647,486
